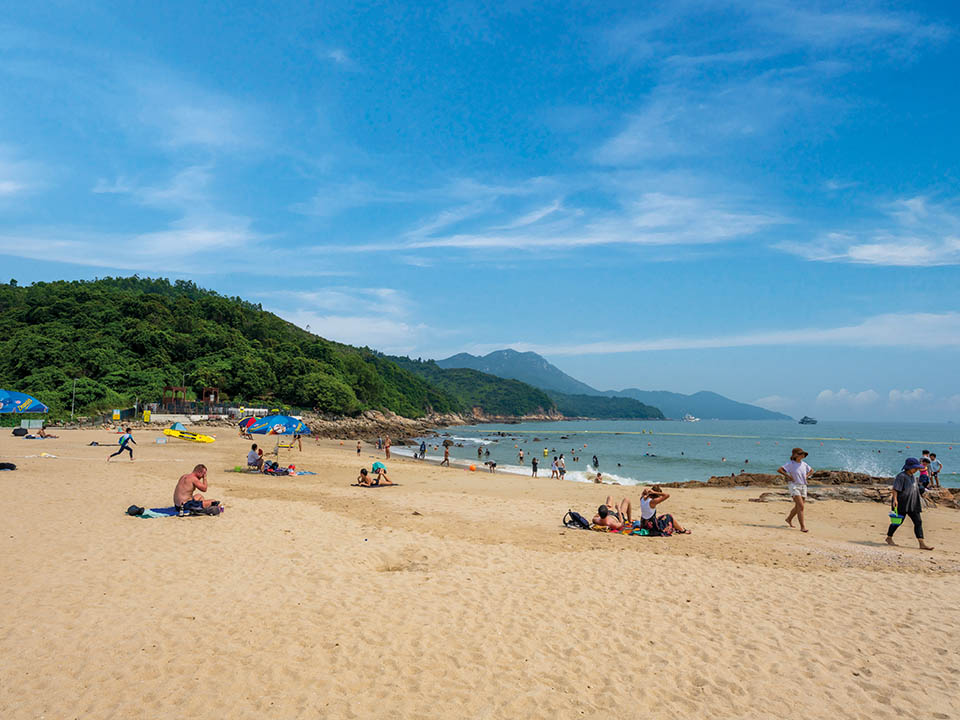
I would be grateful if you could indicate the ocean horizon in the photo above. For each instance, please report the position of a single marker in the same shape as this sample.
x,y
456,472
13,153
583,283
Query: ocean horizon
x,y
636,452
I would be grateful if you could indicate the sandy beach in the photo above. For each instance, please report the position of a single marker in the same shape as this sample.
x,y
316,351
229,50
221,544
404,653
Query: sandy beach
x,y
454,594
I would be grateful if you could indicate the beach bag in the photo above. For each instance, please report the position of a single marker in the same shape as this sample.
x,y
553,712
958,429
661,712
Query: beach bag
x,y
575,521
7,466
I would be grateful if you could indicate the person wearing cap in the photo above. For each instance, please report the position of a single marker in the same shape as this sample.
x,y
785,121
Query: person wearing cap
x,y
905,500
797,471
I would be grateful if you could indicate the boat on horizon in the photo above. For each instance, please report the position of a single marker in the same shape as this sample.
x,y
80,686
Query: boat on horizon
x,y
807,420
690,418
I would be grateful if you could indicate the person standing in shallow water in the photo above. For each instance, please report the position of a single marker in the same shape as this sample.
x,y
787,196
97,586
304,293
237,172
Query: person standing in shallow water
x,y
905,501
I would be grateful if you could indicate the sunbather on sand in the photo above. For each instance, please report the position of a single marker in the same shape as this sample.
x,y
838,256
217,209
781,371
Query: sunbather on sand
x,y
651,520
380,470
44,434
614,516
184,497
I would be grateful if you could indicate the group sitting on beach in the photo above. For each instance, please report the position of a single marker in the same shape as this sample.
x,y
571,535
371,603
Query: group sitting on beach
x,y
620,516
377,476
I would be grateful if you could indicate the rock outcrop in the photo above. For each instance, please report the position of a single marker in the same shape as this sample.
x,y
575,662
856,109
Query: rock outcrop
x,y
825,485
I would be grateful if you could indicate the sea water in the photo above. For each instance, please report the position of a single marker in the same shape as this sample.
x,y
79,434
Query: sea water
x,y
642,452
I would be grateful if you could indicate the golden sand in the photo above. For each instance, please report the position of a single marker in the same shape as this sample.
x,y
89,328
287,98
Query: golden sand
x,y
457,594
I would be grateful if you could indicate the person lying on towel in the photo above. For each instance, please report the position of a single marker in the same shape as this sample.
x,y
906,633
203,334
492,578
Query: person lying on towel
x,y
614,516
184,497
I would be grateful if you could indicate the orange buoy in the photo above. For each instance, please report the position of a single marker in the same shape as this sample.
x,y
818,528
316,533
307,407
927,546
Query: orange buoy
x,y
473,468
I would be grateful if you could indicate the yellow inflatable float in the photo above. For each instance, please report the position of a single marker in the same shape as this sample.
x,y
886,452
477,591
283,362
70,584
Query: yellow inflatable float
x,y
179,431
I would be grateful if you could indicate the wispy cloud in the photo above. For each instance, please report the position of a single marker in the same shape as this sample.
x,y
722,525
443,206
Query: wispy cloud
x,y
181,114
940,330
17,176
913,232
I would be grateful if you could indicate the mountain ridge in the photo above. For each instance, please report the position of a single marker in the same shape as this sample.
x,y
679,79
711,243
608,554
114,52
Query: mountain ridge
x,y
534,369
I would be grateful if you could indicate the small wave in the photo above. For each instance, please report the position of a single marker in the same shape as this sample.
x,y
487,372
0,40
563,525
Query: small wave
x,y
589,475
473,440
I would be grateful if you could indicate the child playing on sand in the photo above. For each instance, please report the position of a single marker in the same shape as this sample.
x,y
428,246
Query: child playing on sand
x,y
125,441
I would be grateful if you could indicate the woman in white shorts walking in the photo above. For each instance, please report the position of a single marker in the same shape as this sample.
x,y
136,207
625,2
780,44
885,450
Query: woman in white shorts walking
x,y
797,471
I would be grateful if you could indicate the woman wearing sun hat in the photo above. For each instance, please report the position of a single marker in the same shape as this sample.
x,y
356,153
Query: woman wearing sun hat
x,y
797,471
906,501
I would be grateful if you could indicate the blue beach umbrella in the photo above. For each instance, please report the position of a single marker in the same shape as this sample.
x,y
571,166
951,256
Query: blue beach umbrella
x,y
16,402
279,425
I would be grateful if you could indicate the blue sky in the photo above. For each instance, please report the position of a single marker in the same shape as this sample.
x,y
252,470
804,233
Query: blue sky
x,y
757,198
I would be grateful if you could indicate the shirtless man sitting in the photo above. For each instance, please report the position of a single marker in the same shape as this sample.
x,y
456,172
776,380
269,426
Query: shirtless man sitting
x,y
184,497
614,516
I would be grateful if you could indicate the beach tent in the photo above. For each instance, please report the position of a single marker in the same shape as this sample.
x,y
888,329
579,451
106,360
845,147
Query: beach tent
x,y
178,426
16,402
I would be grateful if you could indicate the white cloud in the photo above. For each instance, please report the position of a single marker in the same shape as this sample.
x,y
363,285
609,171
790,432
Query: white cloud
x,y
917,395
387,302
914,232
686,119
845,398
941,330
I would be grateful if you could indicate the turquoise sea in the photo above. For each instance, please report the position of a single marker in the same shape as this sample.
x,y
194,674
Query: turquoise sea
x,y
640,452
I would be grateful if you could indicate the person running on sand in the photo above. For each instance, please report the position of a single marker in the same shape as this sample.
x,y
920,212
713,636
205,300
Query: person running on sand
x,y
905,501
651,521
446,456
797,471
125,441
614,516
184,497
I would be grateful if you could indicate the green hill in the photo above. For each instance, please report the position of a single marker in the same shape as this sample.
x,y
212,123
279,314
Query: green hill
x,y
123,338
612,408
497,396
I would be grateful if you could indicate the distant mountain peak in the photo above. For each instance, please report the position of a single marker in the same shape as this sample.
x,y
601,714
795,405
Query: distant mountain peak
x,y
536,370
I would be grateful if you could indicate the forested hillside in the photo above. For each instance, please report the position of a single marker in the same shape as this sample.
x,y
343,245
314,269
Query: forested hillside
x,y
614,408
128,337
497,396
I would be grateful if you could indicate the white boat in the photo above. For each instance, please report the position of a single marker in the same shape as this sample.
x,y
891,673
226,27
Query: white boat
x,y
690,418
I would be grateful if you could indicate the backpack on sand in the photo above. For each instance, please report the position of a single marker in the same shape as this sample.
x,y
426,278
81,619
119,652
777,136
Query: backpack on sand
x,y
576,521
